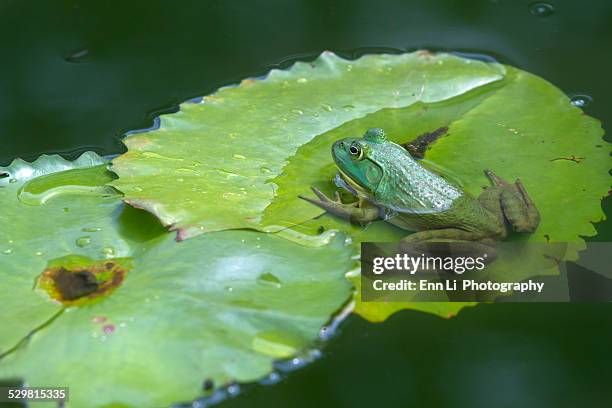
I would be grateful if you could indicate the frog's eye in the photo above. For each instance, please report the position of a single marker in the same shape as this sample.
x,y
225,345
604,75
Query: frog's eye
x,y
356,151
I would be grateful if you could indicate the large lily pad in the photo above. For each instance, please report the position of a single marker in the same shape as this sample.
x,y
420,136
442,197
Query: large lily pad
x,y
557,152
220,307
224,152
257,146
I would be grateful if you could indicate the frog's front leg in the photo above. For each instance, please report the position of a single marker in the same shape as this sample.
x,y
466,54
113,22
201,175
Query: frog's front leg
x,y
516,205
358,212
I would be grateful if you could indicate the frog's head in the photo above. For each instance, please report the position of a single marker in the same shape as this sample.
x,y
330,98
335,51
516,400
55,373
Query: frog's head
x,y
362,161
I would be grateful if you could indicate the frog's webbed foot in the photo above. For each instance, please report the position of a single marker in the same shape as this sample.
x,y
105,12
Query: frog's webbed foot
x,y
352,211
516,205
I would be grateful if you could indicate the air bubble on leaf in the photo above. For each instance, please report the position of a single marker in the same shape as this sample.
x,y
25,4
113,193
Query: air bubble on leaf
x,y
239,156
7,251
91,229
297,111
83,241
327,107
265,170
269,279
110,251
541,9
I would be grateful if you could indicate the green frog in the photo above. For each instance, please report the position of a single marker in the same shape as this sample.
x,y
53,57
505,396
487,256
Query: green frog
x,y
390,184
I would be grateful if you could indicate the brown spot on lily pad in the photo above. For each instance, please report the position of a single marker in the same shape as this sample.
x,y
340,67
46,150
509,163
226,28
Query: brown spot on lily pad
x,y
76,280
418,146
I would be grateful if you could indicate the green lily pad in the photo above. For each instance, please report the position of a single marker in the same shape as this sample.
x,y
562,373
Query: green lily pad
x,y
556,150
32,234
129,317
225,152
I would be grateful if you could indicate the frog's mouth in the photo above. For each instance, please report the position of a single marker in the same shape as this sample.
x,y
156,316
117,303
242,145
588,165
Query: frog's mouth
x,y
342,180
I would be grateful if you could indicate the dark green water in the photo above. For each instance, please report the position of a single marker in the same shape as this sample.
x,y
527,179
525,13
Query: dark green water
x,y
77,75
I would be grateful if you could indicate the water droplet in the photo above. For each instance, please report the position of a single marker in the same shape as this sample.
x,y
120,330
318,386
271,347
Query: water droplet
x,y
271,379
297,111
136,188
265,170
108,329
233,390
83,241
12,180
65,209
302,80
327,107
348,107
99,319
39,190
229,288
581,100
7,251
238,156
269,279
110,251
541,9
38,253
91,229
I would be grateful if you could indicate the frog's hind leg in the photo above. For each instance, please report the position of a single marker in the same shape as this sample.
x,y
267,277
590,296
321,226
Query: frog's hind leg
x,y
356,212
515,203
459,243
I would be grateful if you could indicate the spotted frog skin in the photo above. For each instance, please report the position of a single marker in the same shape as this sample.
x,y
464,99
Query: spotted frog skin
x,y
391,185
